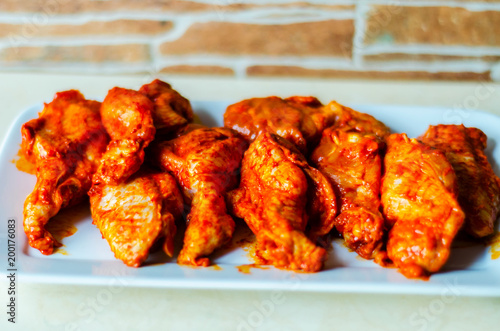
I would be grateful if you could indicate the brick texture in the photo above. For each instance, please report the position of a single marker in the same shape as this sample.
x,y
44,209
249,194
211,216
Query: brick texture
x,y
225,37
325,38
90,53
102,28
331,73
432,25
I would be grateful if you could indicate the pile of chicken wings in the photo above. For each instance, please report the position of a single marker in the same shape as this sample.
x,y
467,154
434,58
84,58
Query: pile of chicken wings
x,y
296,171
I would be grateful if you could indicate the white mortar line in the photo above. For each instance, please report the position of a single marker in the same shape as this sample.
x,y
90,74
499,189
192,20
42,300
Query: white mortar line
x,y
359,33
83,67
431,49
179,29
495,72
291,16
240,68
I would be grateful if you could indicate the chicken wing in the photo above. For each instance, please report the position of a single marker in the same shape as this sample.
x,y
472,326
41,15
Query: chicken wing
x,y
172,111
419,199
352,163
349,154
298,119
135,214
478,186
348,119
205,163
276,182
127,117
65,143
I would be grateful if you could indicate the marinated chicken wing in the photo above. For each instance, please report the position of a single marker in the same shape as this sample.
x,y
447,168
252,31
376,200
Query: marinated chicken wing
x,y
297,119
172,111
65,143
352,162
205,163
127,117
276,182
135,214
348,119
419,199
478,186
349,154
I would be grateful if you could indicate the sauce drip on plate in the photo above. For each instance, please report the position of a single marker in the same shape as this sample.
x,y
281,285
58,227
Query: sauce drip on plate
x,y
246,268
494,243
22,163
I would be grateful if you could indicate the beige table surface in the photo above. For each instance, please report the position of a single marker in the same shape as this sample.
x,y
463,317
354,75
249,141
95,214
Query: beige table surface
x,y
57,307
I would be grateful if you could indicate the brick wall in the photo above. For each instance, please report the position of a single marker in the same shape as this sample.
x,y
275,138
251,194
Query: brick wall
x,y
406,39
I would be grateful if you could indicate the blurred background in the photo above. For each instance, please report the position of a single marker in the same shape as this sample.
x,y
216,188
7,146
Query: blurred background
x,y
411,39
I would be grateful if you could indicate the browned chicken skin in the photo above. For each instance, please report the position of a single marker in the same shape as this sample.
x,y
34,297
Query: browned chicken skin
x,y
276,182
352,162
478,186
65,143
133,215
297,119
419,199
172,111
205,162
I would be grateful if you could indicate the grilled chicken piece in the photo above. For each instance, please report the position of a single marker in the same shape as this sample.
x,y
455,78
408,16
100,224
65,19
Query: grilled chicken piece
x,y
349,154
172,111
478,186
352,163
419,199
276,182
127,117
205,162
297,119
347,119
135,214
65,143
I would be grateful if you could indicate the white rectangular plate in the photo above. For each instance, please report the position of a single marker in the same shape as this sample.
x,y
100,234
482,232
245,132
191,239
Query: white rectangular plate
x,y
469,271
